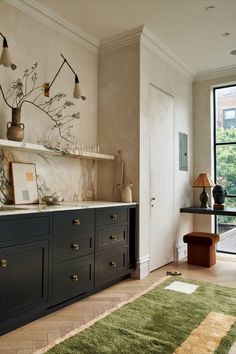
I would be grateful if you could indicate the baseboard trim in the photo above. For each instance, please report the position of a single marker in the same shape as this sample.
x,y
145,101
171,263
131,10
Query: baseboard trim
x,y
225,257
142,267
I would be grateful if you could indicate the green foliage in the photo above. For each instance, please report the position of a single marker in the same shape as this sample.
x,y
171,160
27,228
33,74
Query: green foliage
x,y
226,170
226,159
225,135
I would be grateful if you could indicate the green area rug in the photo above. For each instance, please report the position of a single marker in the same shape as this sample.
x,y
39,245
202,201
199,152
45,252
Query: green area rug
x,y
157,322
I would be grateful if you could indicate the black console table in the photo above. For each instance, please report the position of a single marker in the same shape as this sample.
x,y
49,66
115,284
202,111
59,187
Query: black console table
x,y
209,211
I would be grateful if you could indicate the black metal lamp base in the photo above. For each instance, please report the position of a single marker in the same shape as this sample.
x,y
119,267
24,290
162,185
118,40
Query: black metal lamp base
x,y
204,199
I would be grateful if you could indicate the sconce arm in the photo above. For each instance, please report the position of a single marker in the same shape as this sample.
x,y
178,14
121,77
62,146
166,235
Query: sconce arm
x,y
48,85
57,74
65,61
5,45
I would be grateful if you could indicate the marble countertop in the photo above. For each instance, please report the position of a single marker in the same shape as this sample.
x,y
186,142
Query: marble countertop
x,y
36,208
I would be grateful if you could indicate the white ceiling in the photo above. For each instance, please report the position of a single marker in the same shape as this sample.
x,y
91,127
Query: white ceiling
x,y
191,32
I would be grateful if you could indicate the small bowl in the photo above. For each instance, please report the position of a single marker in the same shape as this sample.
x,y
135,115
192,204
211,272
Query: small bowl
x,y
52,200
58,198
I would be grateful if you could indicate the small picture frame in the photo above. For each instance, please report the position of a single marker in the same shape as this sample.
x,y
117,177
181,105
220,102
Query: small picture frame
x,y
24,183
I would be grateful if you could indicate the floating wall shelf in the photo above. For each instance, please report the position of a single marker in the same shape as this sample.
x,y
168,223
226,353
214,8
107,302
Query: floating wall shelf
x,y
35,148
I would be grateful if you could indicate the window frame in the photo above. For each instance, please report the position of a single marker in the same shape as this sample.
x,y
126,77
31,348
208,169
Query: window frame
x,y
215,144
214,132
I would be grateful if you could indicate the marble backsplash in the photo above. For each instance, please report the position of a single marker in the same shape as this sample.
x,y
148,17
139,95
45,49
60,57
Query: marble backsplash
x,y
73,179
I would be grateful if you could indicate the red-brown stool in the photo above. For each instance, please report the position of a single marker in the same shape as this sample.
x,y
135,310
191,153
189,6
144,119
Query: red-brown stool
x,y
201,248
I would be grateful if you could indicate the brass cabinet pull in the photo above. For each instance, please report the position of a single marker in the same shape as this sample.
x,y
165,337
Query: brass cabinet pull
x,y
113,237
114,216
113,263
3,263
75,277
76,221
75,246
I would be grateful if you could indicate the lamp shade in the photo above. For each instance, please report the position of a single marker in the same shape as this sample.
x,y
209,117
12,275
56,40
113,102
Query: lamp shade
x,y
5,59
76,92
203,180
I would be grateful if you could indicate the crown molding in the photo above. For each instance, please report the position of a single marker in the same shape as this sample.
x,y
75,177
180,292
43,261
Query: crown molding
x,y
138,34
164,52
141,35
215,73
49,18
121,40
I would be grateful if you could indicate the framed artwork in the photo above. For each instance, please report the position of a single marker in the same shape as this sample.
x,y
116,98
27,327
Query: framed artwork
x,y
24,183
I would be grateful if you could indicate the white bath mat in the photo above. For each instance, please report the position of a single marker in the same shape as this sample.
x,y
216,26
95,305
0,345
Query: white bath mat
x,y
182,287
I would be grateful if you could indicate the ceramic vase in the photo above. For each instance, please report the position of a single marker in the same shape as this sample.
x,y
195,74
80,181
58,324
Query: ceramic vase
x,y
15,129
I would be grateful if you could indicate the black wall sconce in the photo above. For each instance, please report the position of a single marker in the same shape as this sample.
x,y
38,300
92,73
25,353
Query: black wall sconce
x,y
76,92
5,59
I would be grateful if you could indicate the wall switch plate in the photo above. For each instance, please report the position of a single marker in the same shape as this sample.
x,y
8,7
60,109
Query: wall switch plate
x,y
183,152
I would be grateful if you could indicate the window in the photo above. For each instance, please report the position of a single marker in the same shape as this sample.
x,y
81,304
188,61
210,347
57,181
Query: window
x,y
225,161
229,116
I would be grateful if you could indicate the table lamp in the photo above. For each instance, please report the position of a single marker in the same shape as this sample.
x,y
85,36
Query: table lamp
x,y
203,181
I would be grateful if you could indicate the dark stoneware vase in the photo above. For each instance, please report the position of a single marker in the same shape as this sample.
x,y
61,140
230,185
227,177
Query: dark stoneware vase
x,y
15,129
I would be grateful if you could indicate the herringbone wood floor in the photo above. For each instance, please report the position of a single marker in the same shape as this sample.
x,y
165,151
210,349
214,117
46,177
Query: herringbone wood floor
x,y
40,333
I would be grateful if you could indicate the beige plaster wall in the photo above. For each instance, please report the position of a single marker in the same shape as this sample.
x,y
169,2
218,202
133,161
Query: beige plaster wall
x,y
118,116
31,41
154,70
125,75
203,139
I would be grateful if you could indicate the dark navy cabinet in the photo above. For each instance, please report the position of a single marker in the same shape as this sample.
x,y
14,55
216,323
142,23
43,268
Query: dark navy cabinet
x,y
112,244
23,278
72,254
50,259
24,268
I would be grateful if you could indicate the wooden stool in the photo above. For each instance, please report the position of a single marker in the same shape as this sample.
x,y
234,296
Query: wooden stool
x,y
201,248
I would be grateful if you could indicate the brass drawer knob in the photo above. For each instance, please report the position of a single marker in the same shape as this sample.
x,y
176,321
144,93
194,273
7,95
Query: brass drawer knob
x,y
113,237
75,246
75,277
76,221
3,263
113,263
114,216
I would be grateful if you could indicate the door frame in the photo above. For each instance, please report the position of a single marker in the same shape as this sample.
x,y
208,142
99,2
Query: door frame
x,y
152,85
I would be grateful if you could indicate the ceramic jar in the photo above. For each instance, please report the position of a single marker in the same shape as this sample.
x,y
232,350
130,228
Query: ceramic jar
x,y
126,194
15,129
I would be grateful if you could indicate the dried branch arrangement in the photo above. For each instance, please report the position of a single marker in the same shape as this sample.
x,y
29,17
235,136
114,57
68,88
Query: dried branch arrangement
x,y
26,87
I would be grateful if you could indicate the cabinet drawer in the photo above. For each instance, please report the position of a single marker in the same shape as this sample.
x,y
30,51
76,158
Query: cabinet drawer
x,y
112,236
72,278
112,216
73,222
67,246
111,265
24,227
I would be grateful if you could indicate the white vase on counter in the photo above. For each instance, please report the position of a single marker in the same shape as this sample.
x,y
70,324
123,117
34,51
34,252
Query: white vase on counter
x,y
126,193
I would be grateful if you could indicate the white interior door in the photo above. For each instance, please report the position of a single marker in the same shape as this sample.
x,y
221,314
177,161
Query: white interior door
x,y
161,177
